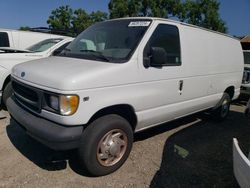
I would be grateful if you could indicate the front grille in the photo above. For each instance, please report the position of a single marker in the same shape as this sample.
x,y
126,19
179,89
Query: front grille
x,y
246,76
27,96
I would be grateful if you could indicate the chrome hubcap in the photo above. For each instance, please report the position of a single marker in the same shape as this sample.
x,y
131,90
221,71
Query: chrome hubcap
x,y
112,147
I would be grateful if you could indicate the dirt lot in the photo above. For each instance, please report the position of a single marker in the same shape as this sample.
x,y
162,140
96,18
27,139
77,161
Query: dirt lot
x,y
191,152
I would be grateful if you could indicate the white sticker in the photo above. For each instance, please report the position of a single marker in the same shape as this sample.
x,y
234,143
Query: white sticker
x,y
139,24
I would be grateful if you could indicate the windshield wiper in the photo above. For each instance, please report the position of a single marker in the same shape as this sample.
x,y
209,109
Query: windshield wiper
x,y
97,54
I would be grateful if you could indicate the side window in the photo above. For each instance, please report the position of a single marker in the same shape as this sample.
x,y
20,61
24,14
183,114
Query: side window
x,y
4,40
166,38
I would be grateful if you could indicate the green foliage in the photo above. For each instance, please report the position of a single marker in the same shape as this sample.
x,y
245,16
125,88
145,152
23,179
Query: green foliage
x,y
24,28
73,22
204,13
80,20
121,8
60,18
154,8
98,16
118,8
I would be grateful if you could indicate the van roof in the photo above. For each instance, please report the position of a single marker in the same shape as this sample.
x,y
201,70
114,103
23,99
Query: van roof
x,y
176,22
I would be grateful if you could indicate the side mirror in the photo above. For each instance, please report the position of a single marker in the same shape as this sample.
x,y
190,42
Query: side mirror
x,y
56,52
158,57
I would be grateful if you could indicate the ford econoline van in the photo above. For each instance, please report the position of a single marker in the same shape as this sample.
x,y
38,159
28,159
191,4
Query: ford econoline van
x,y
120,77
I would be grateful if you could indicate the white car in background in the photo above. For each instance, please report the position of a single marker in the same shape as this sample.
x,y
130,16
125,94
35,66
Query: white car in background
x,y
10,57
241,165
22,39
240,161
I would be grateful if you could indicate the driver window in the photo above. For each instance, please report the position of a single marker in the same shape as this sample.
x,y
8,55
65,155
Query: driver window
x,y
166,37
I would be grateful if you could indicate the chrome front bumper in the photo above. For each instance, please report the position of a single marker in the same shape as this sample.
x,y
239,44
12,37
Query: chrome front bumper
x,y
245,89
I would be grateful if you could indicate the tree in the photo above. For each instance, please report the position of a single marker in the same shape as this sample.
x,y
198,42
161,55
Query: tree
x,y
72,22
60,18
24,28
204,13
118,8
98,16
80,21
159,8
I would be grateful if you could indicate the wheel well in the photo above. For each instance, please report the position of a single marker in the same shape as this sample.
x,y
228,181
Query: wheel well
x,y
124,110
230,91
6,81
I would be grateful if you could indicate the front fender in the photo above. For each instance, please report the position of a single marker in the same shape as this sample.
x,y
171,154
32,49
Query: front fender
x,y
4,73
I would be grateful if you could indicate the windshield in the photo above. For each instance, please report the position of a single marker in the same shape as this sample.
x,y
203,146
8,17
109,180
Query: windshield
x,y
247,57
44,45
111,41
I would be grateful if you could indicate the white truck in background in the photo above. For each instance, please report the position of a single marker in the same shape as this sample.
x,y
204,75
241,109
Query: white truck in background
x,y
123,76
11,57
16,39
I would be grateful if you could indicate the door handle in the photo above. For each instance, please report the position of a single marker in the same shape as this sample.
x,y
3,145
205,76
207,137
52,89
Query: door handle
x,y
180,86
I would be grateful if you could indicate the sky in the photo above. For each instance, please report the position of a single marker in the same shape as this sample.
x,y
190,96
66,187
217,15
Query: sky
x,y
34,13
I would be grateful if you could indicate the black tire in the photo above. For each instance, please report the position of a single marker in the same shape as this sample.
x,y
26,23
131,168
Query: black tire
x,y
89,148
247,112
6,94
221,112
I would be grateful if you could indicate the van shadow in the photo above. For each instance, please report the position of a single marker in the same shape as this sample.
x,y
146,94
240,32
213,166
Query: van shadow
x,y
201,155
197,156
41,155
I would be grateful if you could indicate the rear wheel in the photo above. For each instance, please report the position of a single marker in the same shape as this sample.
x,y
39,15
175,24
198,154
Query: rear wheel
x,y
105,145
222,111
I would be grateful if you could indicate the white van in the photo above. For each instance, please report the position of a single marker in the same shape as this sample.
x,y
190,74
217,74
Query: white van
x,y
9,58
17,39
123,76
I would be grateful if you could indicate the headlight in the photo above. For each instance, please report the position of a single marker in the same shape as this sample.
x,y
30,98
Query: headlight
x,y
62,104
68,104
54,102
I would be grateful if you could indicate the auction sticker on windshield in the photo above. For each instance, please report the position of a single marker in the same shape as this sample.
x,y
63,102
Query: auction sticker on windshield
x,y
139,24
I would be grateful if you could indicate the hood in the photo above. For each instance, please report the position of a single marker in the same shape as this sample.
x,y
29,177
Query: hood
x,y
70,74
8,60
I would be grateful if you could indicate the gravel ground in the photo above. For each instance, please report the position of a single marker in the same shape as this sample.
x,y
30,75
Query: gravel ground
x,y
191,152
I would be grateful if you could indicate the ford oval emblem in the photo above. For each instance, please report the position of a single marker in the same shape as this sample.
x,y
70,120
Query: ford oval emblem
x,y
22,74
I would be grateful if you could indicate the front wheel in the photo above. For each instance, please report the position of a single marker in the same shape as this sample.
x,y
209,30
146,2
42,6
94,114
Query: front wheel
x,y
105,145
6,94
222,111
